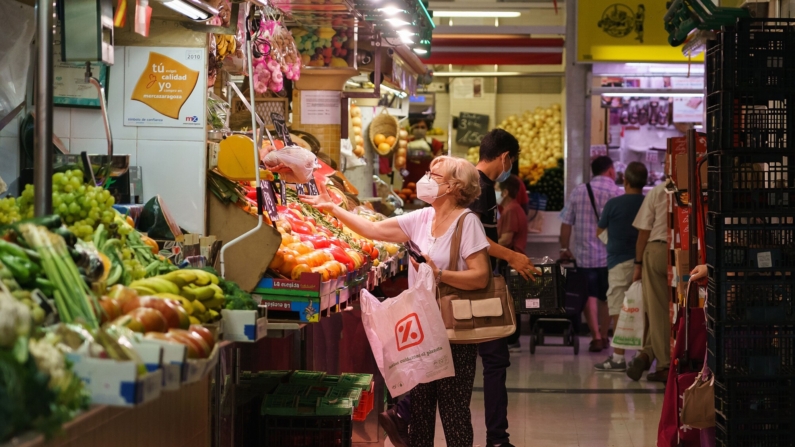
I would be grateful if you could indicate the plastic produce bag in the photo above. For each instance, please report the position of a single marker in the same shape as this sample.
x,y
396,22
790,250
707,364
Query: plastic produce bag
x,y
629,329
407,335
293,163
18,29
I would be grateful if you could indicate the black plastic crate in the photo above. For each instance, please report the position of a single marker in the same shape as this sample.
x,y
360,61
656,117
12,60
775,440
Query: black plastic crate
x,y
775,433
755,55
308,431
741,298
751,181
751,351
544,296
760,242
755,400
738,120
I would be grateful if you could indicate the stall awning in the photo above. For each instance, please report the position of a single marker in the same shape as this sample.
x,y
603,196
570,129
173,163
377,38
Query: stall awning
x,y
501,50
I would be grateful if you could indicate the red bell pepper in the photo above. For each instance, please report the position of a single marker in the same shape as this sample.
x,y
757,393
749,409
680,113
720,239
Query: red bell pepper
x,y
316,240
340,256
325,231
297,225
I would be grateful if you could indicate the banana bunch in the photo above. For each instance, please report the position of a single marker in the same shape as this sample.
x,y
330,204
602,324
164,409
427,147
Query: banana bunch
x,y
225,44
197,290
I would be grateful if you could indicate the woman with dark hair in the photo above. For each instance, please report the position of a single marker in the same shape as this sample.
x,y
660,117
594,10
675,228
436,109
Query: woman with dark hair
x,y
421,150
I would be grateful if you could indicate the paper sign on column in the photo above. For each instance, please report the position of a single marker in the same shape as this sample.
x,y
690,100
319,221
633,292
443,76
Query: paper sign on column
x,y
164,87
320,107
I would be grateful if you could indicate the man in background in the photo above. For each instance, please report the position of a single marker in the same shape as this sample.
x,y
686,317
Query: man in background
x,y
651,265
580,217
616,220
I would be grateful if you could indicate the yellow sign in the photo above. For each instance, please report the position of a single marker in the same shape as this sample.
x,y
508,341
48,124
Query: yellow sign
x,y
165,85
624,31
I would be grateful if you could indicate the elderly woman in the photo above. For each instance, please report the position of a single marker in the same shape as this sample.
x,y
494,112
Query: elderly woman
x,y
449,187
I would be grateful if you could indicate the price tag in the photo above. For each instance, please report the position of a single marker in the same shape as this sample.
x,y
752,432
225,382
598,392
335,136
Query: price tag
x,y
281,128
532,304
283,192
299,188
313,191
269,200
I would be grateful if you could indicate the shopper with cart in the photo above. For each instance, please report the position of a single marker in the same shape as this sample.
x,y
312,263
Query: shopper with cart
x,y
579,218
450,187
616,220
651,265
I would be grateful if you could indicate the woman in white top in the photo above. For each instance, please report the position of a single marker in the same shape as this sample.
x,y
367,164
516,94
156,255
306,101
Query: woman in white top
x,y
450,187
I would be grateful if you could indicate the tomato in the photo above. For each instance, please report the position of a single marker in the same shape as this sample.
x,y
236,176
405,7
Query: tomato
x,y
374,253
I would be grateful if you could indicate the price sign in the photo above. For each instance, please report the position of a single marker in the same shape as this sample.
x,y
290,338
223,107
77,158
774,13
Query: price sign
x,y
283,188
269,200
471,128
300,189
281,128
313,191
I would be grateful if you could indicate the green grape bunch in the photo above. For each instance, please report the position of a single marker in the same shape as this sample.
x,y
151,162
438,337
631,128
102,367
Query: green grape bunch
x,y
9,211
81,206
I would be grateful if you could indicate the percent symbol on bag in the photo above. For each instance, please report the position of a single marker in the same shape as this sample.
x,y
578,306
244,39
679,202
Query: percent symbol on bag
x,y
408,332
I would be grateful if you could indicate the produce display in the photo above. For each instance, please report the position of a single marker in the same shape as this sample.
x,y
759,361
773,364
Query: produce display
x,y
473,155
551,186
323,46
38,390
540,136
358,138
409,193
400,154
315,243
384,143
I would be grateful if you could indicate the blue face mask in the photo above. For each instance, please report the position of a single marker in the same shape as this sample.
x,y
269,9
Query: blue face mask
x,y
505,174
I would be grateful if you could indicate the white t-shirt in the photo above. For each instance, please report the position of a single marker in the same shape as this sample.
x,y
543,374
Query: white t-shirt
x,y
653,214
417,226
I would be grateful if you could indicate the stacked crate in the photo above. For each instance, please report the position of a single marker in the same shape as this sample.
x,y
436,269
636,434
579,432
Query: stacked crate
x,y
751,231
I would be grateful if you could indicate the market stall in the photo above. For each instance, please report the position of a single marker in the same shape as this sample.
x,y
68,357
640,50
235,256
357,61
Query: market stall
x,y
138,309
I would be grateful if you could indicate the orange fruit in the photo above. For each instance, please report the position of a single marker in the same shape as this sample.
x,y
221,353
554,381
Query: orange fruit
x,y
378,139
278,260
302,248
390,141
324,274
299,270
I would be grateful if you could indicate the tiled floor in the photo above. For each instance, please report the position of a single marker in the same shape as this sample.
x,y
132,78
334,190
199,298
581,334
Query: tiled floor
x,y
586,408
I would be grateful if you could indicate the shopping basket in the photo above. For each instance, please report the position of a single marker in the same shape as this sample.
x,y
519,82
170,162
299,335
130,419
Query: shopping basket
x,y
557,298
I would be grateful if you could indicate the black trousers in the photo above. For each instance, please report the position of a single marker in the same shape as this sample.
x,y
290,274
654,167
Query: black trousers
x,y
496,360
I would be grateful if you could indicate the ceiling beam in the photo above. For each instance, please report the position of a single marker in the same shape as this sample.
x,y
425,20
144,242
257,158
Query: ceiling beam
x,y
508,30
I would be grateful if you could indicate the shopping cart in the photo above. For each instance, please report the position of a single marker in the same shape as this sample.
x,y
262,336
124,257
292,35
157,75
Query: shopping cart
x,y
557,296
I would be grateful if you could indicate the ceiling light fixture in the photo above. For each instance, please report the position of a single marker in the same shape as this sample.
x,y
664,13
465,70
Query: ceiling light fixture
x,y
477,14
196,10
397,22
390,10
420,51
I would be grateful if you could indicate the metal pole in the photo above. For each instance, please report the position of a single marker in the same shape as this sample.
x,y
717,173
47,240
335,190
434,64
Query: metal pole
x,y
42,159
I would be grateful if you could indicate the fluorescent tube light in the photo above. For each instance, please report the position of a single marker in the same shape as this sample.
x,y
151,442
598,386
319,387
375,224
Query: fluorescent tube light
x,y
390,10
397,22
653,95
420,51
490,14
197,10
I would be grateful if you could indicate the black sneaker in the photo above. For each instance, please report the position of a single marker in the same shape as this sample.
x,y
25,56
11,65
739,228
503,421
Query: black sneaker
x,y
395,427
507,444
637,366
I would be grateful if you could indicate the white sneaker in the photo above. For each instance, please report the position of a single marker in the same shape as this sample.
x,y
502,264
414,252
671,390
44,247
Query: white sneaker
x,y
611,365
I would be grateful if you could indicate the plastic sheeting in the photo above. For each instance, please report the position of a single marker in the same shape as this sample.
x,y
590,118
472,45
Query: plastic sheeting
x,y
15,53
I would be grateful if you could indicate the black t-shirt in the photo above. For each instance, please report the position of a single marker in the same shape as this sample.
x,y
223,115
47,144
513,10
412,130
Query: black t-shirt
x,y
486,206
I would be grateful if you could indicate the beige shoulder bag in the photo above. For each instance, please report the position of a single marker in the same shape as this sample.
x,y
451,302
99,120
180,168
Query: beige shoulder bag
x,y
475,316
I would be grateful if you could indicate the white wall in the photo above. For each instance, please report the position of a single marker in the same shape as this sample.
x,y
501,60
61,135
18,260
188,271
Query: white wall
x,y
173,159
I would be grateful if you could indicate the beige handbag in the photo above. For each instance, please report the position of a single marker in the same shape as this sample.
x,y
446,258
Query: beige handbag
x,y
475,316
698,404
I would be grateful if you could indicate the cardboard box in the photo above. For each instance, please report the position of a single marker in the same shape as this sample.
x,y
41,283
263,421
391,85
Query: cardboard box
x,y
173,361
246,262
677,160
682,265
302,309
116,383
243,325
196,369
682,177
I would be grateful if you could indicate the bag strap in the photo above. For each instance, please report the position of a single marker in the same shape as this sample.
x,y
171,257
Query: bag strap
x,y
455,243
593,201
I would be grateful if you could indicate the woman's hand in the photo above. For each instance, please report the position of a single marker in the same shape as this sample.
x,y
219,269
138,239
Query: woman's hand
x,y
322,202
428,261
698,273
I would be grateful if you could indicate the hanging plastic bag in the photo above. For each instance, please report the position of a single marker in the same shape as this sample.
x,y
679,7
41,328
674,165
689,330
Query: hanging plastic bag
x,y
18,29
629,330
407,335
294,163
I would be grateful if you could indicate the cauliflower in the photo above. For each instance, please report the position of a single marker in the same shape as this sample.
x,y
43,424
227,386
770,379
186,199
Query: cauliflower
x,y
14,320
49,359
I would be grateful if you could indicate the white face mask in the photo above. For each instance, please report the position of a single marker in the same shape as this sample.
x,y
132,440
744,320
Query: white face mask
x,y
428,189
498,193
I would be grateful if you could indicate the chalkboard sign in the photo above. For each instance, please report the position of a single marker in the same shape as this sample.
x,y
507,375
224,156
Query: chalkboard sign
x,y
307,189
269,200
471,128
281,128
